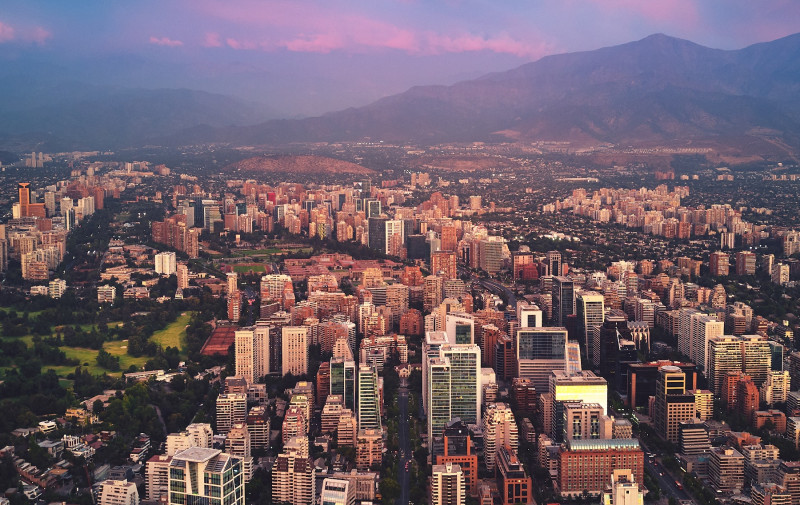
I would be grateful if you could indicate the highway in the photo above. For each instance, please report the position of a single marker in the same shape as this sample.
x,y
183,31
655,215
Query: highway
x,y
404,461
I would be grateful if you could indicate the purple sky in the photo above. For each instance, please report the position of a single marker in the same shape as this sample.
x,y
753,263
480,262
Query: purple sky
x,y
303,57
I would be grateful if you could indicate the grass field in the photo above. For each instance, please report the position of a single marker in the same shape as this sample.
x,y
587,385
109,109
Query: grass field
x,y
256,252
243,269
174,335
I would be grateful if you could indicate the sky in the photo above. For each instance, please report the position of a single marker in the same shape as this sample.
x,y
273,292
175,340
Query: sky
x,y
301,57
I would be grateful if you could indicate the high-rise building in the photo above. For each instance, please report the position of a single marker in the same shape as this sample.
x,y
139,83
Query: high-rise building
x,y
724,355
369,401
448,486
726,469
582,387
293,478
769,493
624,490
157,476
540,351
513,482
460,328
118,492
294,348
672,405
553,262
719,264
788,475
343,381
258,424
590,311
528,315
165,263
369,449
200,475
251,346
499,429
745,263
693,438
337,492
586,465
459,449
231,409
585,421
563,300
453,385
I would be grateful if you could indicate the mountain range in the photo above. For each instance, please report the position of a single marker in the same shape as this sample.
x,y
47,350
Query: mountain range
x,y
655,91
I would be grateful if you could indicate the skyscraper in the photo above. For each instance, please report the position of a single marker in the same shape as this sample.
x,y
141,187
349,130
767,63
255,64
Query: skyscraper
x,y
369,410
251,346
499,429
231,409
200,475
540,351
294,348
343,380
590,310
672,405
563,299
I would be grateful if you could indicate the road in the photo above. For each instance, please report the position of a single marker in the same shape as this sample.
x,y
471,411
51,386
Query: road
x,y
491,285
403,463
665,481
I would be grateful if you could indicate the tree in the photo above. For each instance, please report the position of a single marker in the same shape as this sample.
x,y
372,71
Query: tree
x,y
390,489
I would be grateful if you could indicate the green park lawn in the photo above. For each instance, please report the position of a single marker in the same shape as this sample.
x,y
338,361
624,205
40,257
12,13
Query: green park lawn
x,y
174,335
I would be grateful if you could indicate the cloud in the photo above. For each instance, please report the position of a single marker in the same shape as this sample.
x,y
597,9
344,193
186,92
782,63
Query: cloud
x,y
165,41
212,40
7,32
30,35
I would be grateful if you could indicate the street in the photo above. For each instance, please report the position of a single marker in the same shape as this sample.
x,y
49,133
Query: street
x,y
405,448
665,481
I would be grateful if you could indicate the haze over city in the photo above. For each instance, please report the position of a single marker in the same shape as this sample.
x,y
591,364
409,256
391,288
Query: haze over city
x,y
400,252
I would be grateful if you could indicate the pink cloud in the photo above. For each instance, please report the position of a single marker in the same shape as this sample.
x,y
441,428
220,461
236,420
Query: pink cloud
x,y
7,32
471,43
212,40
35,35
241,44
165,41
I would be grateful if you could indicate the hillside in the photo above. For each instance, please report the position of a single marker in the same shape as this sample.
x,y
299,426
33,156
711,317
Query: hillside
x,y
298,165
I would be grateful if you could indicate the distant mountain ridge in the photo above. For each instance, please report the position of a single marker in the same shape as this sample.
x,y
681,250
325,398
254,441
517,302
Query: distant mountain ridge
x,y
655,90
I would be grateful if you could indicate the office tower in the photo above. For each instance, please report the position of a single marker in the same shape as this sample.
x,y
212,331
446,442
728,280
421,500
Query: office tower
x,y
157,477
585,465
540,351
553,262
513,482
448,486
719,263
521,262
377,233
165,263
745,263
769,493
369,449
337,492
573,357
490,253
524,397
200,475
585,421
499,429
695,331
343,381
703,402
584,386
294,348
369,408
459,449
452,388
672,405
460,328
258,425
563,299
231,409
726,469
528,315
591,312
293,478
347,428
724,355
118,492
693,437
251,346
